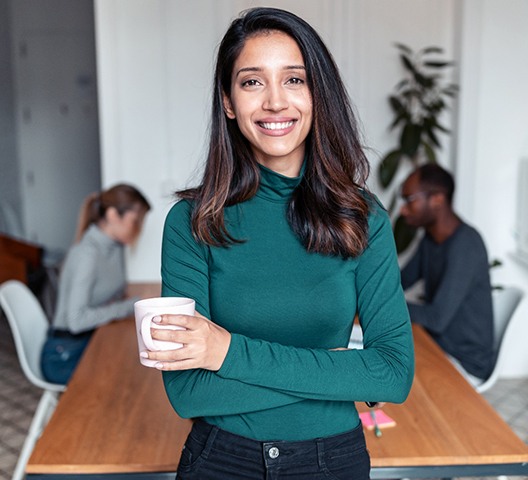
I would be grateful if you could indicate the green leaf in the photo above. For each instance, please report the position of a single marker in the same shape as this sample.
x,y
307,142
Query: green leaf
x,y
410,139
403,48
388,167
433,49
397,120
495,263
433,64
451,90
403,234
408,64
412,92
401,84
426,82
433,137
440,127
396,105
449,93
429,153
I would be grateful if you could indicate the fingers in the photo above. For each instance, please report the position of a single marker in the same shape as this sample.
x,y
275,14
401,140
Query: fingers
x,y
180,320
204,344
179,359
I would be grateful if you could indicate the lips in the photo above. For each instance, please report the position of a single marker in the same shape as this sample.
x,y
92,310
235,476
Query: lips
x,y
276,125
276,128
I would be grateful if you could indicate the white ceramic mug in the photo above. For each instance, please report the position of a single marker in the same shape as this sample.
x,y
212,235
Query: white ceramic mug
x,y
145,310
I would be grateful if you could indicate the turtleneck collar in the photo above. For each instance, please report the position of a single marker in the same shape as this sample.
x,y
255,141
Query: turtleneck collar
x,y
276,187
102,239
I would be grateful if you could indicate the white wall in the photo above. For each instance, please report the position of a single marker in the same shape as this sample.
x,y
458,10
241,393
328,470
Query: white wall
x,y
9,194
155,59
55,117
493,136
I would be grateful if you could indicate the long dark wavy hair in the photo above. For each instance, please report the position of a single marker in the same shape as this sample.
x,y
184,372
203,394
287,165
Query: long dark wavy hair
x,y
329,208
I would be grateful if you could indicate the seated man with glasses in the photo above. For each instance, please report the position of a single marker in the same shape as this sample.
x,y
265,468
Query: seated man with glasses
x,y
452,262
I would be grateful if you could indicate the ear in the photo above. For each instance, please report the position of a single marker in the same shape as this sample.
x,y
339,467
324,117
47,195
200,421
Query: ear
x,y
228,108
438,200
111,214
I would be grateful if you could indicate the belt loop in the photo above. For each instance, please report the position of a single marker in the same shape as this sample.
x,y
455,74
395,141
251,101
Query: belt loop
x,y
320,453
209,443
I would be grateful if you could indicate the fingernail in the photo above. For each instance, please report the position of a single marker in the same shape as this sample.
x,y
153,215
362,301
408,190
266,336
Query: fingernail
x,y
159,366
156,319
143,354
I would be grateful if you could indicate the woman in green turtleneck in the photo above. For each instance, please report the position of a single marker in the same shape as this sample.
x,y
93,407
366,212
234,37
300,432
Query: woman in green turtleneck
x,y
281,245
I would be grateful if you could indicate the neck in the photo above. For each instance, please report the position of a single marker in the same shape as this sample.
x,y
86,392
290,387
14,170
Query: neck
x,y
106,229
289,166
444,226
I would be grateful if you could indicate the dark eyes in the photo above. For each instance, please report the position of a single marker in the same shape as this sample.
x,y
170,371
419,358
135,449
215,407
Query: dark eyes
x,y
250,83
296,81
290,81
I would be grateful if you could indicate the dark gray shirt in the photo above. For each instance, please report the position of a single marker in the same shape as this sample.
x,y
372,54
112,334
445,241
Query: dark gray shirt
x,y
457,311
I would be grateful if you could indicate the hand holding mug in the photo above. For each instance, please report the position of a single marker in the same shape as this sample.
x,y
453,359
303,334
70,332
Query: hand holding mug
x,y
205,343
147,309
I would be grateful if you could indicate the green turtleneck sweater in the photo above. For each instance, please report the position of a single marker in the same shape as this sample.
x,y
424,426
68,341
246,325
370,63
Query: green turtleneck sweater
x,y
286,309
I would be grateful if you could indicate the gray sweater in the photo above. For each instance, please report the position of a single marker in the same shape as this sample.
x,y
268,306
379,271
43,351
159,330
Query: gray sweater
x,y
457,311
92,284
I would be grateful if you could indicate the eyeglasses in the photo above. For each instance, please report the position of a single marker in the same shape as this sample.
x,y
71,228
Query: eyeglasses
x,y
414,196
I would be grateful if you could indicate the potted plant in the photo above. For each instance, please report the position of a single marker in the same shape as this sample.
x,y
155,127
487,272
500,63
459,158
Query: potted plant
x,y
417,103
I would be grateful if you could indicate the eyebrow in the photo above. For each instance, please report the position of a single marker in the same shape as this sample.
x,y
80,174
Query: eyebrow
x,y
259,69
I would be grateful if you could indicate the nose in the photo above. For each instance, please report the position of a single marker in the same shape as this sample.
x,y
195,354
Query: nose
x,y
275,99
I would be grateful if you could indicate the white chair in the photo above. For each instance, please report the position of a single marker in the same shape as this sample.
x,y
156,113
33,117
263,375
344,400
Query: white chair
x,y
29,326
505,302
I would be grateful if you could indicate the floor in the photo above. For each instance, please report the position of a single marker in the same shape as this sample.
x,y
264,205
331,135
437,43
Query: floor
x,y
18,400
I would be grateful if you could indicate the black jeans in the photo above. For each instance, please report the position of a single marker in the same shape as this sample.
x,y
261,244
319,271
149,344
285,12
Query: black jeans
x,y
213,454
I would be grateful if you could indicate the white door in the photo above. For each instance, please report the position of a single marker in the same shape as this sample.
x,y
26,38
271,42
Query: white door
x,y
58,135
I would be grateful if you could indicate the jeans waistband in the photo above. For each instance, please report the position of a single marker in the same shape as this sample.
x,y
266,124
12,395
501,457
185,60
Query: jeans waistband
x,y
280,450
59,333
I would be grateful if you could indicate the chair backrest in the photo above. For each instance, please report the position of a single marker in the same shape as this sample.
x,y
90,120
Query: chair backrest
x,y
29,327
505,302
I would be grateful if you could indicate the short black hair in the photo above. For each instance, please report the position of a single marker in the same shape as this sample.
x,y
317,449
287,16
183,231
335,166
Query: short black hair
x,y
434,178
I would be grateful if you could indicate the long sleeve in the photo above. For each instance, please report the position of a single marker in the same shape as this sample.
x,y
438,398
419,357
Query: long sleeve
x,y
287,310
82,313
462,265
383,370
411,272
92,285
458,308
201,392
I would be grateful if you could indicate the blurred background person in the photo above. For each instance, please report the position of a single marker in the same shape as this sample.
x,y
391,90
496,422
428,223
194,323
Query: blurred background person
x,y
92,283
452,262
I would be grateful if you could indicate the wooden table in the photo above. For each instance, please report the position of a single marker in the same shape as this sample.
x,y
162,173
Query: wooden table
x,y
115,421
445,428
114,417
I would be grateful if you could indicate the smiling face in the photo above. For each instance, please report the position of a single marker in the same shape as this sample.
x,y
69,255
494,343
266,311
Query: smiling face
x,y
271,102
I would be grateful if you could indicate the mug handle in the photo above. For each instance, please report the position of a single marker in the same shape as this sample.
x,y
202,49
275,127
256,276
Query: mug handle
x,y
146,324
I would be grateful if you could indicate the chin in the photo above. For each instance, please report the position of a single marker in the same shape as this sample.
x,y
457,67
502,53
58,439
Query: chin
x,y
410,223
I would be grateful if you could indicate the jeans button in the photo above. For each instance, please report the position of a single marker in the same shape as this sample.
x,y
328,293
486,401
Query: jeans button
x,y
273,452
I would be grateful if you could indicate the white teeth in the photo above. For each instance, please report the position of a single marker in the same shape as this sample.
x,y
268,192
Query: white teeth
x,y
277,125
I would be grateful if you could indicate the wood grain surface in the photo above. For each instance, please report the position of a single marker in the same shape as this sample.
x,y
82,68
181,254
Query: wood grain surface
x,y
115,417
